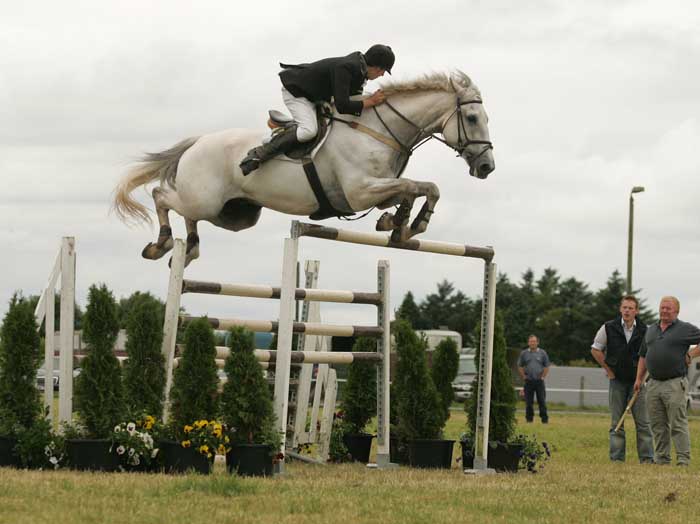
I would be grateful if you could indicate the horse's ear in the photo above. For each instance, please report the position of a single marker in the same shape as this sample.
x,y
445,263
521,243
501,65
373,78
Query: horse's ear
x,y
465,80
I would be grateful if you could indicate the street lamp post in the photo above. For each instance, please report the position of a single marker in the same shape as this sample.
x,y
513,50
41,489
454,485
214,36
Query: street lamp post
x,y
635,189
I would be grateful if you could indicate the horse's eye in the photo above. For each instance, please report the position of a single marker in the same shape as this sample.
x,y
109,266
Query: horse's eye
x,y
472,119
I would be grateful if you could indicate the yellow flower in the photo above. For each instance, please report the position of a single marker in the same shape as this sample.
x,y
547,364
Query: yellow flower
x,y
226,439
204,449
188,429
222,449
186,443
217,432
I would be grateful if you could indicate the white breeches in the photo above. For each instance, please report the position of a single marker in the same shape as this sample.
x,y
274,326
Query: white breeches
x,y
304,113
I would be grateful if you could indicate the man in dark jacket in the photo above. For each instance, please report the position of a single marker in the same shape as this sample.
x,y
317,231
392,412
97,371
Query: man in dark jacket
x,y
616,349
304,85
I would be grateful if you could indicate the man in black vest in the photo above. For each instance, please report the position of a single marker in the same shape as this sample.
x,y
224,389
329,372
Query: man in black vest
x,y
304,85
616,349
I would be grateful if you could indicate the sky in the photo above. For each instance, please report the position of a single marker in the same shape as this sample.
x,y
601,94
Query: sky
x,y
585,100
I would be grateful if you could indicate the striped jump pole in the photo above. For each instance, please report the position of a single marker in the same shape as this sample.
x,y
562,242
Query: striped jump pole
x,y
301,229
272,326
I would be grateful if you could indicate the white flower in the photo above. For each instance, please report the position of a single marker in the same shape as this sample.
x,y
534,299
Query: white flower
x,y
47,451
54,461
121,450
117,428
131,428
131,452
135,461
154,453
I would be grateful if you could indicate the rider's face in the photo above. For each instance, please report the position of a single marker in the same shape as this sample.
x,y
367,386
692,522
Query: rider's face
x,y
374,72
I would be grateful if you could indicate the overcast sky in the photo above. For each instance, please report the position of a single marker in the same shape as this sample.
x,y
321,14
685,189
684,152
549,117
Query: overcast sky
x,y
585,99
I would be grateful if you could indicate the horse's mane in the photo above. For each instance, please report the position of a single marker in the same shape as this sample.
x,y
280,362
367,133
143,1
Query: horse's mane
x,y
433,82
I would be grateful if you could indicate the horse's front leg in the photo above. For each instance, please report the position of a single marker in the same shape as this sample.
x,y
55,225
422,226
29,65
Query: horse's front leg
x,y
432,195
154,251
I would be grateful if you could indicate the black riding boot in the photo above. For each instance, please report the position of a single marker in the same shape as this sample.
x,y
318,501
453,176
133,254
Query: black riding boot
x,y
281,142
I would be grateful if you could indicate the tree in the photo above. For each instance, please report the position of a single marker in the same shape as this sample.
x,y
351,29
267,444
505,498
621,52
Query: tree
x,y
409,311
98,388
20,355
443,372
360,391
194,393
502,412
126,305
144,371
246,403
418,402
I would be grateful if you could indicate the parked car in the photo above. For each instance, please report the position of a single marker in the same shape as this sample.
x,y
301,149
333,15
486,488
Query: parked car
x,y
41,379
465,374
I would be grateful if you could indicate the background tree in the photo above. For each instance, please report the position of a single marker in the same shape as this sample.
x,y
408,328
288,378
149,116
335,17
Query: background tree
x,y
409,311
194,393
98,388
144,370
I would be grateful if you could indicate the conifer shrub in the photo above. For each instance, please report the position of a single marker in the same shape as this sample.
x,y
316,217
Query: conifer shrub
x,y
360,392
444,369
503,399
144,371
98,389
194,394
20,355
417,400
246,402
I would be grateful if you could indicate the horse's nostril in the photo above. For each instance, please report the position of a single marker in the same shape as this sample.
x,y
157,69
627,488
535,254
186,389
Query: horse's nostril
x,y
485,169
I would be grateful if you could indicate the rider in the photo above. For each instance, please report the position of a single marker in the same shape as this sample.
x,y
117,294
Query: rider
x,y
304,85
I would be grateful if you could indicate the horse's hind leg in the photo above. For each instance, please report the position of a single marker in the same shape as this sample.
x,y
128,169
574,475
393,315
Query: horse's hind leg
x,y
192,241
165,236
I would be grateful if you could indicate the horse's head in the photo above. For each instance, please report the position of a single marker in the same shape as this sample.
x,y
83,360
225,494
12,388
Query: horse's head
x,y
466,128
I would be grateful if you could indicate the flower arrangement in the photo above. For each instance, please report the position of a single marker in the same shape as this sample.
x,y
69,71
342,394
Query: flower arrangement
x,y
38,447
207,437
133,442
534,453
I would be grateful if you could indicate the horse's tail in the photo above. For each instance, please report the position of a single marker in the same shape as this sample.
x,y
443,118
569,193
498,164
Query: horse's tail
x,y
152,166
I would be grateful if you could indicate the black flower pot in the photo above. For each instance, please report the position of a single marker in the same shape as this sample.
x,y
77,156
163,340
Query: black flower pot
x,y
430,453
467,455
91,455
504,457
176,459
250,460
398,451
359,446
7,452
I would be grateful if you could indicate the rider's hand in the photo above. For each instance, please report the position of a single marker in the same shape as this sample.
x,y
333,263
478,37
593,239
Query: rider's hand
x,y
637,385
611,374
377,98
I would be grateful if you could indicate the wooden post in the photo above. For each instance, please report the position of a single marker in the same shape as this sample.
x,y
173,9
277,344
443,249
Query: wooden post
x,y
170,323
65,381
383,371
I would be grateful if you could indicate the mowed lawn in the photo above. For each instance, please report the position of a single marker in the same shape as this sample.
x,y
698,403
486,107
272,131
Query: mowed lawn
x,y
577,485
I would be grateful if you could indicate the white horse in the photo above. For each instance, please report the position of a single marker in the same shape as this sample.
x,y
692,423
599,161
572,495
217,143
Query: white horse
x,y
358,165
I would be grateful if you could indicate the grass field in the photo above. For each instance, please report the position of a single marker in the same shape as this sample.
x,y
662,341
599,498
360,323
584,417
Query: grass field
x,y
577,485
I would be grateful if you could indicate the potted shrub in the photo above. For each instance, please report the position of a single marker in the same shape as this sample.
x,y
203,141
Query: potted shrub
x,y
420,419
443,371
359,403
144,370
20,353
246,407
194,404
98,389
503,455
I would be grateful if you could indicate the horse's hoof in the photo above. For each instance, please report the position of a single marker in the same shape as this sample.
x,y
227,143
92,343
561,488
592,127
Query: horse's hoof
x,y
400,234
155,251
385,222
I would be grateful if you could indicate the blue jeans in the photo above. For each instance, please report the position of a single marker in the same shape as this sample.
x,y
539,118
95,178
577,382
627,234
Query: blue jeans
x,y
619,395
532,388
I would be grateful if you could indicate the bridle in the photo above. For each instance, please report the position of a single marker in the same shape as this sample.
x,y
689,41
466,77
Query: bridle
x,y
463,140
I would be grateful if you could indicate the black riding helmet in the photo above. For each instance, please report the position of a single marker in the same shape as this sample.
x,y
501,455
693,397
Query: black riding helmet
x,y
380,56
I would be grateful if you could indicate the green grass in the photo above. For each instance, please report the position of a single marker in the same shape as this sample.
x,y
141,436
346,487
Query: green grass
x,y
579,484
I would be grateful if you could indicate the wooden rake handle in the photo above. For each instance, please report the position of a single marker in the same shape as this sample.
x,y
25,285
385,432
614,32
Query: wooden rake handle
x,y
630,404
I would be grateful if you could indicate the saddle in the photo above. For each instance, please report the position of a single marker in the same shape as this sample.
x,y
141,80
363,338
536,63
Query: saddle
x,y
278,121
304,154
